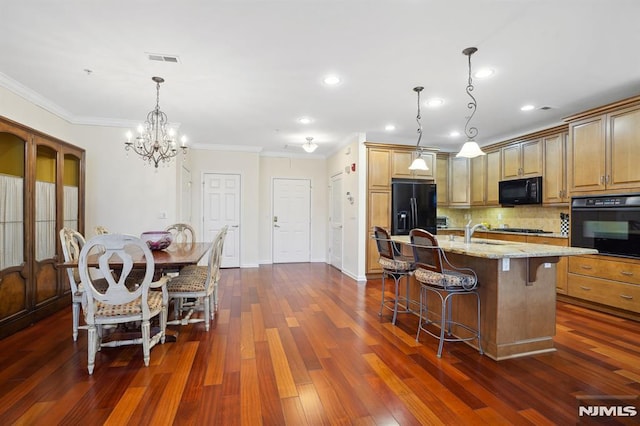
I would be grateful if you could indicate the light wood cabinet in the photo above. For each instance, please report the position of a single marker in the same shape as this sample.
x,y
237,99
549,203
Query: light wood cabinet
x,y
522,159
603,152
442,179
493,177
477,180
554,178
459,172
402,159
42,181
605,280
379,214
378,168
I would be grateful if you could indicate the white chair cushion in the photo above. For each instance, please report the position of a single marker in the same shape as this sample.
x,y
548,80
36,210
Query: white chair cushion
x,y
446,280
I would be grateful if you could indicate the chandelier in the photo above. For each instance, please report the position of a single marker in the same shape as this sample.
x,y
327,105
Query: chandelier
x,y
470,149
309,146
155,142
418,163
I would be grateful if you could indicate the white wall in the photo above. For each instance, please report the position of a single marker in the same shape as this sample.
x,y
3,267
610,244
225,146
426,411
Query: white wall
x,y
353,254
294,167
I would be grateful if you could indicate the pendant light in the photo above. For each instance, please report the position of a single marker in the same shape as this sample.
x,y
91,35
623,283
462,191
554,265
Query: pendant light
x,y
418,163
470,149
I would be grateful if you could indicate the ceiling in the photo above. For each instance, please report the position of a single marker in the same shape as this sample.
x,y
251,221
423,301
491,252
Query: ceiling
x,y
248,70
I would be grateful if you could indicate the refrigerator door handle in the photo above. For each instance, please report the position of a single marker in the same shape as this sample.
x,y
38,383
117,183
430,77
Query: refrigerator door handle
x,y
414,213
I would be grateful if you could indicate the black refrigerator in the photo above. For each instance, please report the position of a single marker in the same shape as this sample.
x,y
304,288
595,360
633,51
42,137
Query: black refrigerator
x,y
413,205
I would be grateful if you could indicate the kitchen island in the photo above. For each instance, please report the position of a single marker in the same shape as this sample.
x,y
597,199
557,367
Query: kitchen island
x,y
517,286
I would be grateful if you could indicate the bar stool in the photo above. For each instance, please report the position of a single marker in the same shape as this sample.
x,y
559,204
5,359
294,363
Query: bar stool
x,y
437,275
396,266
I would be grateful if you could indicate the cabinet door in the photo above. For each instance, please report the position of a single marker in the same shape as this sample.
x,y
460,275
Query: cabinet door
x,y
477,180
554,176
493,177
511,161
430,159
400,162
379,213
623,154
459,194
531,158
586,155
379,168
442,180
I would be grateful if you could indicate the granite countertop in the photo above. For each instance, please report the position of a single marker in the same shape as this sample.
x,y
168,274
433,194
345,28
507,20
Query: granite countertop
x,y
498,249
500,231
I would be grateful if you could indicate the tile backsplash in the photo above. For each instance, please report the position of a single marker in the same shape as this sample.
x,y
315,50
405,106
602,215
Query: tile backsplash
x,y
536,217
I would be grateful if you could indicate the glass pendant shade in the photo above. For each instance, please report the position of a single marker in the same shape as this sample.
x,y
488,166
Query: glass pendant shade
x,y
470,149
418,164
309,146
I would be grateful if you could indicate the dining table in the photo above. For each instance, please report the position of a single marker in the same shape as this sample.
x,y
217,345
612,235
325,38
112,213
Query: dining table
x,y
170,259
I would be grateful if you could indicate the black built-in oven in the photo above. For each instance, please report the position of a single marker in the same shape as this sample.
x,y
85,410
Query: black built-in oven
x,y
609,224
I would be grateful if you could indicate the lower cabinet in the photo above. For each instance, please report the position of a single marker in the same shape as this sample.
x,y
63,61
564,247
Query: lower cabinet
x,y
605,280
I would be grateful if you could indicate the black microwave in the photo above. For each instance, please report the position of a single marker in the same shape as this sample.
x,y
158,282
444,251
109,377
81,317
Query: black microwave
x,y
520,191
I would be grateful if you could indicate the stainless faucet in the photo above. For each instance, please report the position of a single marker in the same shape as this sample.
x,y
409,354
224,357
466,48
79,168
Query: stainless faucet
x,y
469,230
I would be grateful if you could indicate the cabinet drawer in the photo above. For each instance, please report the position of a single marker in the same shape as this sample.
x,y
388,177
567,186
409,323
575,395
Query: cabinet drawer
x,y
603,268
618,295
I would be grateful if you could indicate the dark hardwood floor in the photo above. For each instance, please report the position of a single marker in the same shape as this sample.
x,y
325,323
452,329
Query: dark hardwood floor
x,y
303,344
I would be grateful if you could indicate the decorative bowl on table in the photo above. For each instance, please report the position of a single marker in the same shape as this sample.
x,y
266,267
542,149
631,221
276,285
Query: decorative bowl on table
x,y
157,240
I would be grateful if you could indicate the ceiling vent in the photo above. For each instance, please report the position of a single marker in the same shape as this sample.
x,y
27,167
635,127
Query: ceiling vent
x,y
163,58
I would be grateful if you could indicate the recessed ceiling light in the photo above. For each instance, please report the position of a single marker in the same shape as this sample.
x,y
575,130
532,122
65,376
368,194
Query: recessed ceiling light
x,y
305,120
527,108
454,134
434,102
484,73
331,80
389,127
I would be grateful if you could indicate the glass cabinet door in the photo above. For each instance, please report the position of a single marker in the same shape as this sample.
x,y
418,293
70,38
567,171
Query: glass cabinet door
x,y
11,200
45,203
71,191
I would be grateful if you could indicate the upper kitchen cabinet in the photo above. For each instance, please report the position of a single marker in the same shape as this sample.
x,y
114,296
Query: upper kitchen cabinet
x,y
554,178
603,150
442,179
493,177
378,168
522,159
459,188
477,180
402,159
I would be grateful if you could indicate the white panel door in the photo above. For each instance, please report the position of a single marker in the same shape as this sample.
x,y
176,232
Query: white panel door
x,y
291,220
221,206
335,221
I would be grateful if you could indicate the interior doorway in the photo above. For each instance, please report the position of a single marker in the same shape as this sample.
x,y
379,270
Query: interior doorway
x,y
291,220
335,221
221,206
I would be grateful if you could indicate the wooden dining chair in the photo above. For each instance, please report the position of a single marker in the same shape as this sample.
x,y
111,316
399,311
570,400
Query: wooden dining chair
x,y
200,282
122,301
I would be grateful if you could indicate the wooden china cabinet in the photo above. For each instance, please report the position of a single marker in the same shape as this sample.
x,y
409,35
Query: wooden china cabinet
x,y
41,190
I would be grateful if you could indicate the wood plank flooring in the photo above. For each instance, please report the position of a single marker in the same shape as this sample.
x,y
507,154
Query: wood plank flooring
x,y
303,344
